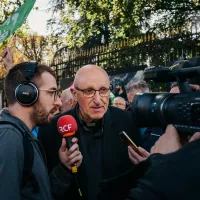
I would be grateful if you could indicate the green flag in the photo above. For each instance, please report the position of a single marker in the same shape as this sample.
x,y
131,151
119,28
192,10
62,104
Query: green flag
x,y
15,20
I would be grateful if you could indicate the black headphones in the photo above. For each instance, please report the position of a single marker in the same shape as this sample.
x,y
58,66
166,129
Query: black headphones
x,y
27,92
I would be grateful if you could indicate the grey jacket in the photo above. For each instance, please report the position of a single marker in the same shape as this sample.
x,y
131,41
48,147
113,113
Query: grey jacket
x,y
12,163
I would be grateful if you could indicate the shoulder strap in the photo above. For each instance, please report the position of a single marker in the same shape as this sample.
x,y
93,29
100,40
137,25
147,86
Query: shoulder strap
x,y
27,174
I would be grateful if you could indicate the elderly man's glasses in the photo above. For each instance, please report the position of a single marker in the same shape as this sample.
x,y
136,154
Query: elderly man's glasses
x,y
103,92
54,93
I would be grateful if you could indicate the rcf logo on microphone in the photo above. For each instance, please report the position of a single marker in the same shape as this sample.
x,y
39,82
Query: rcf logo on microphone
x,y
67,125
65,128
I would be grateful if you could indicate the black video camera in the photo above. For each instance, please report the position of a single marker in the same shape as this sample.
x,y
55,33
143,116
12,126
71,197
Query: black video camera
x,y
160,109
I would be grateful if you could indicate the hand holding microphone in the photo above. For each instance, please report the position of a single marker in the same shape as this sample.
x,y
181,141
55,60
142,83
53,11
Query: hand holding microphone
x,y
69,153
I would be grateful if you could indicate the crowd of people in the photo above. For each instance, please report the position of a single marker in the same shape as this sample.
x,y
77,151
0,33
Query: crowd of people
x,y
123,95
35,162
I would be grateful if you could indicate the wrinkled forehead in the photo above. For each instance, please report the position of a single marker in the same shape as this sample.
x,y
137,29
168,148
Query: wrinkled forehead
x,y
94,80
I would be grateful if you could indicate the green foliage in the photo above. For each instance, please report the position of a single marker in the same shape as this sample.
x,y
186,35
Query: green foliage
x,y
35,47
95,21
24,43
109,18
175,13
7,7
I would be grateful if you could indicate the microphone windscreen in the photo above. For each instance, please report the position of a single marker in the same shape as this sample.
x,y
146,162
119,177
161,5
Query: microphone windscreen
x,y
67,125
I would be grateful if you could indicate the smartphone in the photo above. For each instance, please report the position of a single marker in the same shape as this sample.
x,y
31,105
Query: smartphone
x,y
127,141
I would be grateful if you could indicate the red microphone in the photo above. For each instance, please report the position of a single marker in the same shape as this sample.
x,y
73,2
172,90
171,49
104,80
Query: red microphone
x,y
67,127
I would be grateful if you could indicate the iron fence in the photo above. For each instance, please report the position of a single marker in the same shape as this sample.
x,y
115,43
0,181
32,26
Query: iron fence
x,y
129,55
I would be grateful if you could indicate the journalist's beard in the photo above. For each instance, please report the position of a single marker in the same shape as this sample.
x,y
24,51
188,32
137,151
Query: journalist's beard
x,y
40,115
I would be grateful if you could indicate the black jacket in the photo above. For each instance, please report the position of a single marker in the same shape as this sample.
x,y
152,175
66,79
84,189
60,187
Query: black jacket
x,y
174,176
115,153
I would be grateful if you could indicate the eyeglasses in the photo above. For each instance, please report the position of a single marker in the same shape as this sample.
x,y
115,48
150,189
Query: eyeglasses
x,y
54,93
103,92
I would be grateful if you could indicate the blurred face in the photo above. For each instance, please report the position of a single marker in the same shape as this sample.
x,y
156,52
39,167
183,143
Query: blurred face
x,y
48,103
119,103
96,106
118,88
67,100
132,94
67,104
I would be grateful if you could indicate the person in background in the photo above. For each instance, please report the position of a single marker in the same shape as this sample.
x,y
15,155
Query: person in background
x,y
149,134
119,89
132,88
112,96
119,102
67,99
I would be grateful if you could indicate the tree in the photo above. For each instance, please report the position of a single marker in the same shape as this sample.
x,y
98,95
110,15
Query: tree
x,y
90,21
26,47
32,46
7,7
36,47
100,20
173,13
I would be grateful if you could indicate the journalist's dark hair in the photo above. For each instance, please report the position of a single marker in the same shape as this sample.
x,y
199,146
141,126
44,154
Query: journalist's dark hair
x,y
15,77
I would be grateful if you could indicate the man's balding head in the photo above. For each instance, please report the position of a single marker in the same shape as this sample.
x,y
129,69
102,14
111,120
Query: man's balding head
x,y
88,79
67,99
88,71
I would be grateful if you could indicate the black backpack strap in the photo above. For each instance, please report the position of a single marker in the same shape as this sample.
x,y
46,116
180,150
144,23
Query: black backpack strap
x,y
27,174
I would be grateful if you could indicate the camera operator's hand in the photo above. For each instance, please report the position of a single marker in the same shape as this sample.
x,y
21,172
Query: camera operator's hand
x,y
195,87
192,86
167,143
134,157
196,136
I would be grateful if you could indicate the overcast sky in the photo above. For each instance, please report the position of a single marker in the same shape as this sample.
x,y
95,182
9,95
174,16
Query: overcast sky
x,y
37,19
